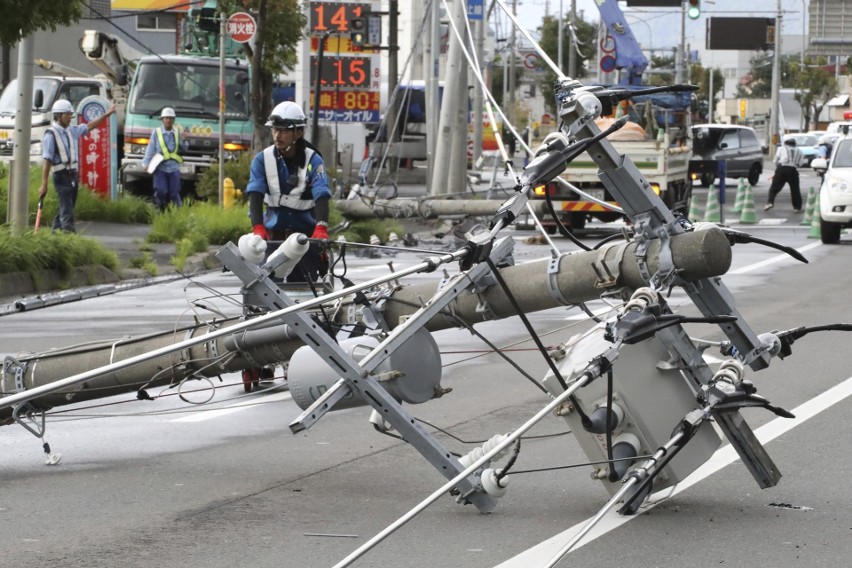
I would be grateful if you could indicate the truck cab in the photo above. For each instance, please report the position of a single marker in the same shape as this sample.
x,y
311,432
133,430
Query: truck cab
x,y
190,85
46,91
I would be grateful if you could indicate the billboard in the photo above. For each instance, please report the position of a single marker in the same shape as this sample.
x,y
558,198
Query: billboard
x,y
170,5
748,34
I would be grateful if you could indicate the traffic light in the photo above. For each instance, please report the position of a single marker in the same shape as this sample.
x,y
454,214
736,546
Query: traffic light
x,y
358,35
694,9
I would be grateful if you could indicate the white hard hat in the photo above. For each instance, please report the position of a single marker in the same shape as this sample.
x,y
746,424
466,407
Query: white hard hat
x,y
61,106
167,112
287,115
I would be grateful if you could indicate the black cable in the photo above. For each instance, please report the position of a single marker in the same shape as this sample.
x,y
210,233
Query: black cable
x,y
609,381
505,469
572,466
536,339
462,441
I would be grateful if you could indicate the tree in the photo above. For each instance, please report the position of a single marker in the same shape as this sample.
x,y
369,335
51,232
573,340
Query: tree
x,y
757,83
663,67
586,40
280,31
814,87
23,17
701,77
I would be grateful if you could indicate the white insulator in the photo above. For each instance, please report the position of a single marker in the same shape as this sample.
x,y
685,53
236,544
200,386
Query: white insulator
x,y
731,371
288,255
252,248
477,453
771,340
493,486
354,192
374,240
393,239
640,299
590,104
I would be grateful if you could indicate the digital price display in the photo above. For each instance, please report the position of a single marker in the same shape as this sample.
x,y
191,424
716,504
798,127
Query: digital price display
x,y
336,16
349,72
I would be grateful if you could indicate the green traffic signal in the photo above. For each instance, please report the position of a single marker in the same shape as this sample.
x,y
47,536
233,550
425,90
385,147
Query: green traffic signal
x,y
694,10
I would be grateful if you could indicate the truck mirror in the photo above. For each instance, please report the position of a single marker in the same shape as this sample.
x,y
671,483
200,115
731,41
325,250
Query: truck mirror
x,y
38,99
242,78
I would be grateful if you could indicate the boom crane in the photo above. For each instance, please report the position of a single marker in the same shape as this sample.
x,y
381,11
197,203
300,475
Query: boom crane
x,y
628,54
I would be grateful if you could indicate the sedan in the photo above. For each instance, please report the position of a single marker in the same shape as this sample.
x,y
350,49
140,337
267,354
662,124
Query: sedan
x,y
807,143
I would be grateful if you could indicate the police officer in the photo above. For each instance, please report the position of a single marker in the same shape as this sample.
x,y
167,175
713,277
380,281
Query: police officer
x,y
166,142
289,178
788,158
59,150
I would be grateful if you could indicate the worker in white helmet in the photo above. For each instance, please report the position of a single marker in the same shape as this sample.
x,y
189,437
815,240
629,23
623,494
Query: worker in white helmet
x,y
290,178
163,153
59,150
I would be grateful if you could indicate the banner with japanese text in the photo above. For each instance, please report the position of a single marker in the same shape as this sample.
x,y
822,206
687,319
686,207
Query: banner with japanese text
x,y
98,150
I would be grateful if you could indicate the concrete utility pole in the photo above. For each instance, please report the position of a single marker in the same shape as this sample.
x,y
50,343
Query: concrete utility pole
x,y
449,107
114,368
680,59
432,64
19,184
479,30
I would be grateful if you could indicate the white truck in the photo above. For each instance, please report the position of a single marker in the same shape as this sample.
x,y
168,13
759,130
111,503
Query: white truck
x,y
46,90
112,57
662,156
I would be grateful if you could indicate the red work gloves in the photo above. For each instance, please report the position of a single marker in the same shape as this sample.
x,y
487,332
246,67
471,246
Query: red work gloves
x,y
260,231
320,232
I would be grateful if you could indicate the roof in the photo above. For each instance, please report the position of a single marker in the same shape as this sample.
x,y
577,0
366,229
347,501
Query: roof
x,y
838,101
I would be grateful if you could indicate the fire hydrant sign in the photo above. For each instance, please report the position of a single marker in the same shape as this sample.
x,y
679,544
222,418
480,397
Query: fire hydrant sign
x,y
241,27
98,150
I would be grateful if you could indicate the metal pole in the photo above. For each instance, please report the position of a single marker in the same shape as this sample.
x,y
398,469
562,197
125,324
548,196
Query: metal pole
x,y
511,114
315,136
710,99
775,123
19,193
680,59
572,45
221,106
804,33
559,38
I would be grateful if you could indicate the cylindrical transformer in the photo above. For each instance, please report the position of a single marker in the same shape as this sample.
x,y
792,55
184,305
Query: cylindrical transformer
x,y
411,373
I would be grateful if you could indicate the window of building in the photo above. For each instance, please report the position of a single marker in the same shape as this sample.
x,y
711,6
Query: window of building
x,y
158,22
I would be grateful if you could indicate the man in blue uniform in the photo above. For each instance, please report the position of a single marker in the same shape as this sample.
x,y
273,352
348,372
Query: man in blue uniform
x,y
289,178
59,150
165,142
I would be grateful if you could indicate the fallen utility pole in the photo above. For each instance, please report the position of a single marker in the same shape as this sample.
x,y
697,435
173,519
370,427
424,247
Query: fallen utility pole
x,y
44,381
426,208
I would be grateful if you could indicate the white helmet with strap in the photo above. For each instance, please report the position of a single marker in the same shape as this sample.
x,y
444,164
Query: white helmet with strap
x,y
287,115
167,112
62,106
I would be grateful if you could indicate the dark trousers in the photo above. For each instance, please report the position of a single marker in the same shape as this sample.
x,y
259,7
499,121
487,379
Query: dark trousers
x,y
783,175
65,182
167,188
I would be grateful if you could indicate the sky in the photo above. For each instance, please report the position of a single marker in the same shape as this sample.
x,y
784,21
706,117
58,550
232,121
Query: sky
x,y
659,28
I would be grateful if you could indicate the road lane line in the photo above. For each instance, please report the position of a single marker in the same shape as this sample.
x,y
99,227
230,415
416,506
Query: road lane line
x,y
773,260
543,552
201,416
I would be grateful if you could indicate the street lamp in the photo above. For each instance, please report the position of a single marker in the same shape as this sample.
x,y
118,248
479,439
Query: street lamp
x,y
804,21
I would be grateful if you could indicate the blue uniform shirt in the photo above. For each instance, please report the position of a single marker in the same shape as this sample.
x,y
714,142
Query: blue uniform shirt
x,y
281,218
48,146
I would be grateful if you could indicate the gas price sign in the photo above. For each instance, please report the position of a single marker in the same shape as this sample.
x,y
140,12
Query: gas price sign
x,y
350,74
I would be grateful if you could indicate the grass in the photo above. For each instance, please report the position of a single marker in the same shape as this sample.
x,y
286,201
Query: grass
x,y
51,250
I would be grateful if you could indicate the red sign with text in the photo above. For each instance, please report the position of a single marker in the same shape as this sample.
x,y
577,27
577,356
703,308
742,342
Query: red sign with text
x,y
96,158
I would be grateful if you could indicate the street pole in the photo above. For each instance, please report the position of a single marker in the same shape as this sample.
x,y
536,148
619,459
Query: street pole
x,y
680,59
221,106
511,114
775,123
19,192
559,39
572,45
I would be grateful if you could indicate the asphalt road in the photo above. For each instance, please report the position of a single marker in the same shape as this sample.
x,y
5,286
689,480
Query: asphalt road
x,y
171,483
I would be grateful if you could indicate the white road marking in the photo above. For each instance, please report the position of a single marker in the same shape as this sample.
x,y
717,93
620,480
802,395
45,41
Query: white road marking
x,y
211,414
774,259
544,552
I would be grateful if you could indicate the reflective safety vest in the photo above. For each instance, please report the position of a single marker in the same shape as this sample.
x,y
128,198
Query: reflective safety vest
x,y
294,199
67,156
168,155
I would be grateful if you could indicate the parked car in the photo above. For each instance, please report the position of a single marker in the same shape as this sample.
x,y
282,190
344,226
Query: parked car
x,y
807,143
737,145
835,194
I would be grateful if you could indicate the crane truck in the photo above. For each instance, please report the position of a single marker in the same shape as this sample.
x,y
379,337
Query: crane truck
x,y
656,138
189,83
